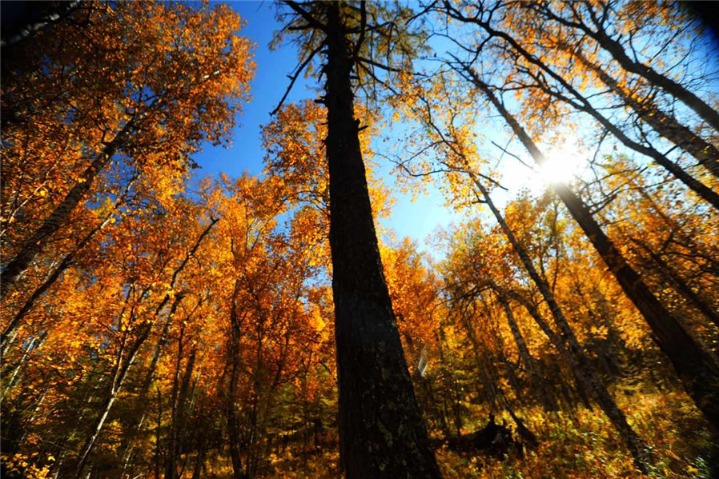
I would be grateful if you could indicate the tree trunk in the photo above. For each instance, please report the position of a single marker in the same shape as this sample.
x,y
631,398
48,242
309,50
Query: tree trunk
x,y
547,400
36,243
382,432
230,408
178,398
118,379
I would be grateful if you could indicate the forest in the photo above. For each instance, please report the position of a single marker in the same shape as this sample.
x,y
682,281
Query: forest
x,y
159,321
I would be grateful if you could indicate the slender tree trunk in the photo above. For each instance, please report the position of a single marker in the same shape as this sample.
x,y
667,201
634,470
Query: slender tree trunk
x,y
696,367
158,427
565,352
710,115
233,431
95,433
180,385
10,382
36,243
665,125
121,368
382,432
547,400
34,19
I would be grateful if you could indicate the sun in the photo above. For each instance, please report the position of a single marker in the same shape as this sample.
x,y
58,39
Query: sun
x,y
563,162
566,160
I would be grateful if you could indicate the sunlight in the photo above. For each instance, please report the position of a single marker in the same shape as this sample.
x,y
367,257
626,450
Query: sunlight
x,y
563,162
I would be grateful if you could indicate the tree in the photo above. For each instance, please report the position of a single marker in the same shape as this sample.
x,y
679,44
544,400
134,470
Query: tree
x,y
382,433
697,367
540,83
120,90
453,148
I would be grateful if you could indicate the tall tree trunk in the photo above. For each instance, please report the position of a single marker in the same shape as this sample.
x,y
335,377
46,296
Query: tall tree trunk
x,y
36,243
563,348
233,357
696,367
382,432
200,460
180,387
122,367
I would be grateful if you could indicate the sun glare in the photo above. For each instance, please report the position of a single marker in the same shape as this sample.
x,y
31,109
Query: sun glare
x,y
563,162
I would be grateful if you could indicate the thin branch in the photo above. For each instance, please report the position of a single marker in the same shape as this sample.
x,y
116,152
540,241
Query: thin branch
x,y
293,78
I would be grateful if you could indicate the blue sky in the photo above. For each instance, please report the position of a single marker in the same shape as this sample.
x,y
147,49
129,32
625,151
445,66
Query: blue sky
x,y
414,219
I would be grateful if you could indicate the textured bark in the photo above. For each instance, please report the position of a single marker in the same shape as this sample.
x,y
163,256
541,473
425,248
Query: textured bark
x,y
382,433
696,367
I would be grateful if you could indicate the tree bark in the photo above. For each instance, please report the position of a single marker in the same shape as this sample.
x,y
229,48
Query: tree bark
x,y
382,432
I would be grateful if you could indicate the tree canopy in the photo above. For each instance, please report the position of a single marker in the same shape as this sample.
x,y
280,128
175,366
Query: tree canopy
x,y
159,322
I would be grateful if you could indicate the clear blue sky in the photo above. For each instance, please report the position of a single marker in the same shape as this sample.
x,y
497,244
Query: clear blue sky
x,y
415,219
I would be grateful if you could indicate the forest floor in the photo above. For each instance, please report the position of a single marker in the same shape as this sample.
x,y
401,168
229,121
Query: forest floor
x,y
574,445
